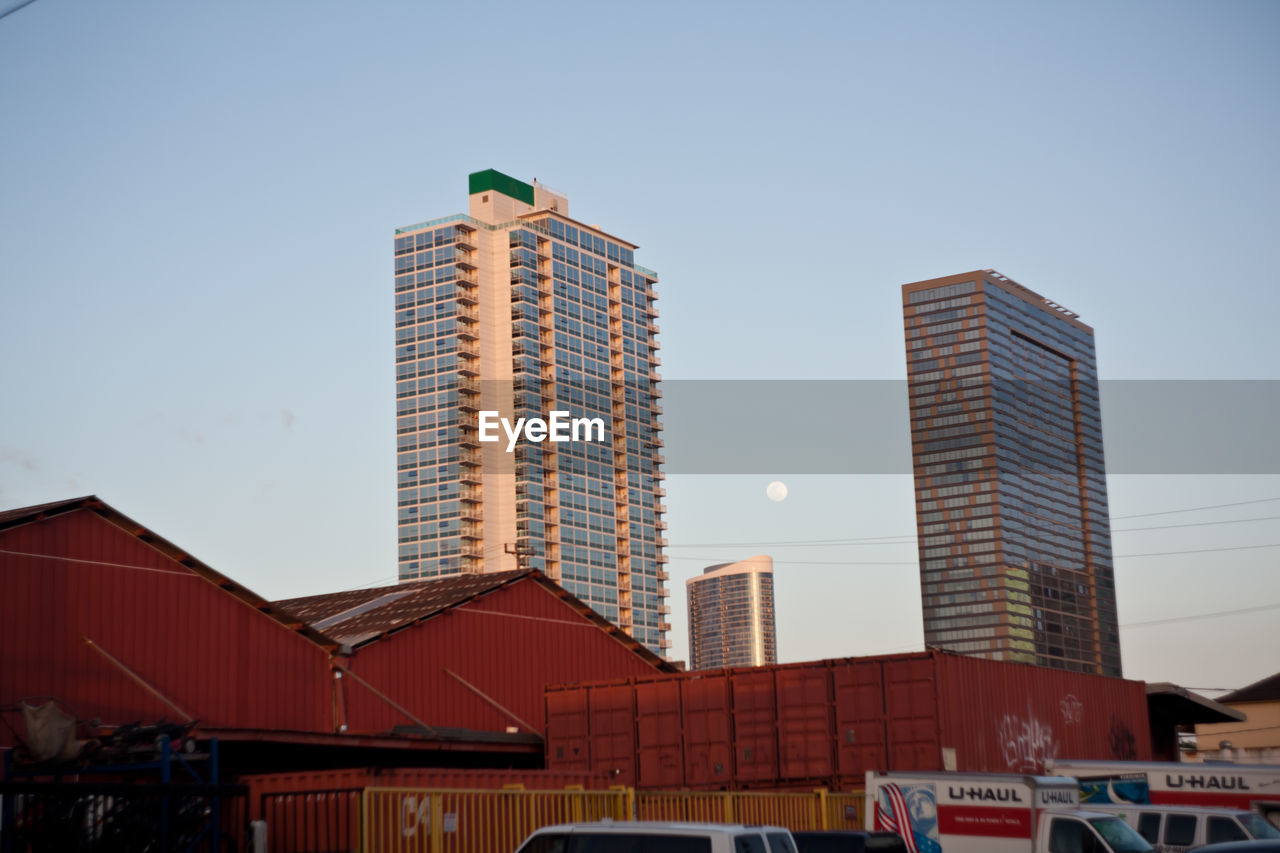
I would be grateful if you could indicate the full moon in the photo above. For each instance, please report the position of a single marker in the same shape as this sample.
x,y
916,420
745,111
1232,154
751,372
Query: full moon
x,y
777,491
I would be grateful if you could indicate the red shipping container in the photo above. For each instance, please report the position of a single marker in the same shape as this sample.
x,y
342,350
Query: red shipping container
x,y
861,739
911,713
568,734
755,723
612,714
658,735
829,722
804,722
708,739
1011,717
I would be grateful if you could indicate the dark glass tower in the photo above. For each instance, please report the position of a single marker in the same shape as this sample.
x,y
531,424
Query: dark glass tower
x,y
1011,495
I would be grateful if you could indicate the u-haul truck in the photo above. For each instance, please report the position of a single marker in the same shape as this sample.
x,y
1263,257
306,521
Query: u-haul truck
x,y
1175,783
992,813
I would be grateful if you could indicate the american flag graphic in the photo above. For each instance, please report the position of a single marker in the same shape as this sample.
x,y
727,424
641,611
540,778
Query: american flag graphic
x,y
894,816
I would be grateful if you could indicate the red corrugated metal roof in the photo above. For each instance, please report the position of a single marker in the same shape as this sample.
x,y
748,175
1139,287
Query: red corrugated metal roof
x,y
359,617
118,624
10,519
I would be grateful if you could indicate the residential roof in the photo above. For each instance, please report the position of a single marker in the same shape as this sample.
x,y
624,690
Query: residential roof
x,y
1178,703
1266,690
361,616
92,503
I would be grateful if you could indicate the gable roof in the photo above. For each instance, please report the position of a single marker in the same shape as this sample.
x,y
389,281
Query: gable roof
x,y
358,616
92,503
1266,690
361,616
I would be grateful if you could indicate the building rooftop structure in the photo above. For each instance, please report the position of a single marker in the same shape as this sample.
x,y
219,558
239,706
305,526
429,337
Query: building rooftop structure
x,y
358,617
121,625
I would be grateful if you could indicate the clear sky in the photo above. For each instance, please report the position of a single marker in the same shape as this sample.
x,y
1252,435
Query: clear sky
x,y
197,203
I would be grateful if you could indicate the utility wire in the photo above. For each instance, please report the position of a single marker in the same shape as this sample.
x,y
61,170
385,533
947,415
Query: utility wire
x,y
21,5
1195,509
1198,524
903,539
1173,619
915,562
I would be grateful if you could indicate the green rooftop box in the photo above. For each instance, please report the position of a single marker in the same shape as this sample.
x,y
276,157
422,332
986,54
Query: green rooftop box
x,y
491,180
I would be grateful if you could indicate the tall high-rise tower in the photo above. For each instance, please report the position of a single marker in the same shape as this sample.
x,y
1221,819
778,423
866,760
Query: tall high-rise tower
x,y
731,619
1011,494
518,310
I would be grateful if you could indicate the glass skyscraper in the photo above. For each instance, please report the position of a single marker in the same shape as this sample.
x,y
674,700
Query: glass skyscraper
x,y
516,308
731,618
1011,497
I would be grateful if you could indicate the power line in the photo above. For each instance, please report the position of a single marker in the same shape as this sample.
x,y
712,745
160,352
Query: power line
x,y
22,5
1198,551
808,562
915,562
806,543
1172,619
1198,524
1195,509
903,539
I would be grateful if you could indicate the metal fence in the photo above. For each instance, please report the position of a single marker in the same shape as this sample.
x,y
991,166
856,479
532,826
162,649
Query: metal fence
x,y
421,820
409,820
75,817
794,810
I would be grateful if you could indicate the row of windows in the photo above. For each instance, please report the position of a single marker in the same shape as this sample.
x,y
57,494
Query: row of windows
x,y
589,242
422,239
928,339
944,292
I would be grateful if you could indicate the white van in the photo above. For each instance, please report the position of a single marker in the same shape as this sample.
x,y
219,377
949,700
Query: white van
x,y
658,837
993,813
1174,829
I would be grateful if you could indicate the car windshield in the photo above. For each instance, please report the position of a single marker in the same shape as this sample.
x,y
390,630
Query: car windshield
x,y
1257,825
1121,836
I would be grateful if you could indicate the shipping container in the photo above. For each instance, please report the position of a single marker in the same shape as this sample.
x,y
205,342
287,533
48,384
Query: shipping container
x,y
707,735
829,722
658,734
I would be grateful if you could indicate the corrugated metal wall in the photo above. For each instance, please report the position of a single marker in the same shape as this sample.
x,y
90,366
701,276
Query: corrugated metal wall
x,y
1042,714
230,666
508,645
211,654
828,722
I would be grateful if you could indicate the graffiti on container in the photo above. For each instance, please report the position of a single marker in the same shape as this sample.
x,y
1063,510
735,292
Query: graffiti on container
x,y
1123,743
415,813
1072,709
1026,742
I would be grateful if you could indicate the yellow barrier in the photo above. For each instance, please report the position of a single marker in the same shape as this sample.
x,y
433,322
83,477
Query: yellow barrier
x,y
456,820
845,810
792,810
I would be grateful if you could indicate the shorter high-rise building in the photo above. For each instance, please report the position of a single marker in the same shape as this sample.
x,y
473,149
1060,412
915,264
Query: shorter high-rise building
x,y
731,615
